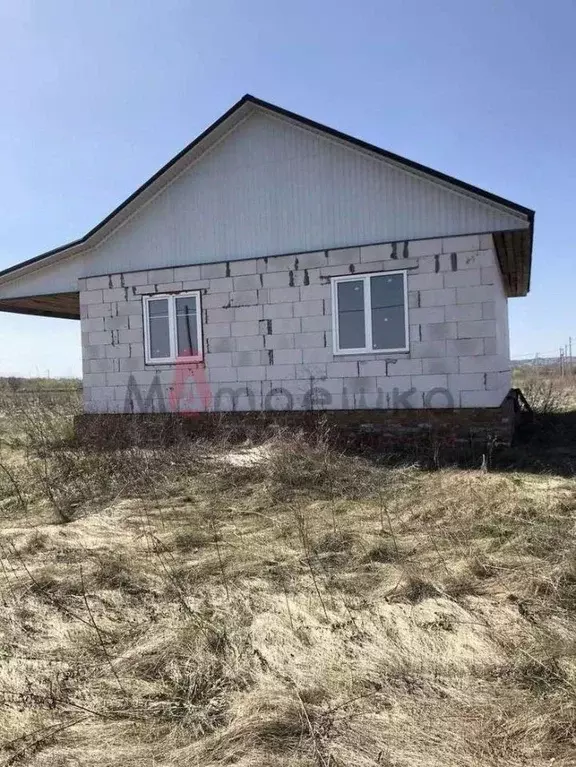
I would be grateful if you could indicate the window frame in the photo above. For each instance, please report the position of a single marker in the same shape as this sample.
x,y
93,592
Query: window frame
x,y
172,328
365,278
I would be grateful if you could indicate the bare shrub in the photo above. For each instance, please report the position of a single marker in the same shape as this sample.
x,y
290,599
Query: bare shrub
x,y
74,479
14,383
311,462
40,419
115,572
547,393
384,551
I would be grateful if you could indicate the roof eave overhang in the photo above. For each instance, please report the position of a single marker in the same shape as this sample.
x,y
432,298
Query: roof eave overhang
x,y
59,305
514,251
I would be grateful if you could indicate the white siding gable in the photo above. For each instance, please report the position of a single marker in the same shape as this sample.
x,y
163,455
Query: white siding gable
x,y
272,186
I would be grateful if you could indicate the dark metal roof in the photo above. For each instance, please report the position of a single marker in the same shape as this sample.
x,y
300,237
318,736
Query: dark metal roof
x,y
525,257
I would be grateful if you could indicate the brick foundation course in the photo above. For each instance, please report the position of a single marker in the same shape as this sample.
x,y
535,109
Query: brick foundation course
x,y
412,429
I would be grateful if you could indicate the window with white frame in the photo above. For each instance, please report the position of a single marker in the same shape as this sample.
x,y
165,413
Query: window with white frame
x,y
370,313
172,328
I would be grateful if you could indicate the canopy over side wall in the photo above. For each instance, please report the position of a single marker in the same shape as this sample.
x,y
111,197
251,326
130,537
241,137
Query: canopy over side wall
x,y
62,305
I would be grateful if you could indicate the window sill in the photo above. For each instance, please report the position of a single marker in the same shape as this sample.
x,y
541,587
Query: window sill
x,y
366,352
172,363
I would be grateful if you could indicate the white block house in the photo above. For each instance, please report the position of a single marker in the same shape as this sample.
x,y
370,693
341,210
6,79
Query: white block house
x,y
277,264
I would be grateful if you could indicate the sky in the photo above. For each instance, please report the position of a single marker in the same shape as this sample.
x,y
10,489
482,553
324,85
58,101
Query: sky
x,y
97,95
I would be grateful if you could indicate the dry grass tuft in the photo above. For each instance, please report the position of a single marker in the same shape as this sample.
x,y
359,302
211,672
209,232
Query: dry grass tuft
x,y
546,390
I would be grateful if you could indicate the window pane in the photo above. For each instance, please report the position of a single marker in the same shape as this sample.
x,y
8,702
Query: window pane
x,y
158,307
187,326
388,330
387,290
159,336
388,320
351,295
186,305
351,330
187,330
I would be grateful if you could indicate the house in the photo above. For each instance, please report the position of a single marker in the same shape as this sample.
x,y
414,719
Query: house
x,y
277,264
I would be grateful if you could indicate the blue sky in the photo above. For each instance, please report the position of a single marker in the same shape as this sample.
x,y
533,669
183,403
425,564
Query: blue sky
x,y
97,95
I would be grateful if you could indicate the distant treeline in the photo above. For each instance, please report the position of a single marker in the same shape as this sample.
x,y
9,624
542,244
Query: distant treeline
x,y
23,385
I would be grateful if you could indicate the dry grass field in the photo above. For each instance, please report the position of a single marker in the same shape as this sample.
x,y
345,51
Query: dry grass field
x,y
285,604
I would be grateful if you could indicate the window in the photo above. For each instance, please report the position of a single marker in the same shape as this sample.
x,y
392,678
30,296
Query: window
x,y
370,313
172,328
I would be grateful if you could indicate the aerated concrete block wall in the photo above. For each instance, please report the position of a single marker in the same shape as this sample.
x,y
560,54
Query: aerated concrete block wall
x,y
267,327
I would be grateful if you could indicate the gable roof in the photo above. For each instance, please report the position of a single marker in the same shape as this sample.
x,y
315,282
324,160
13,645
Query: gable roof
x,y
514,248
